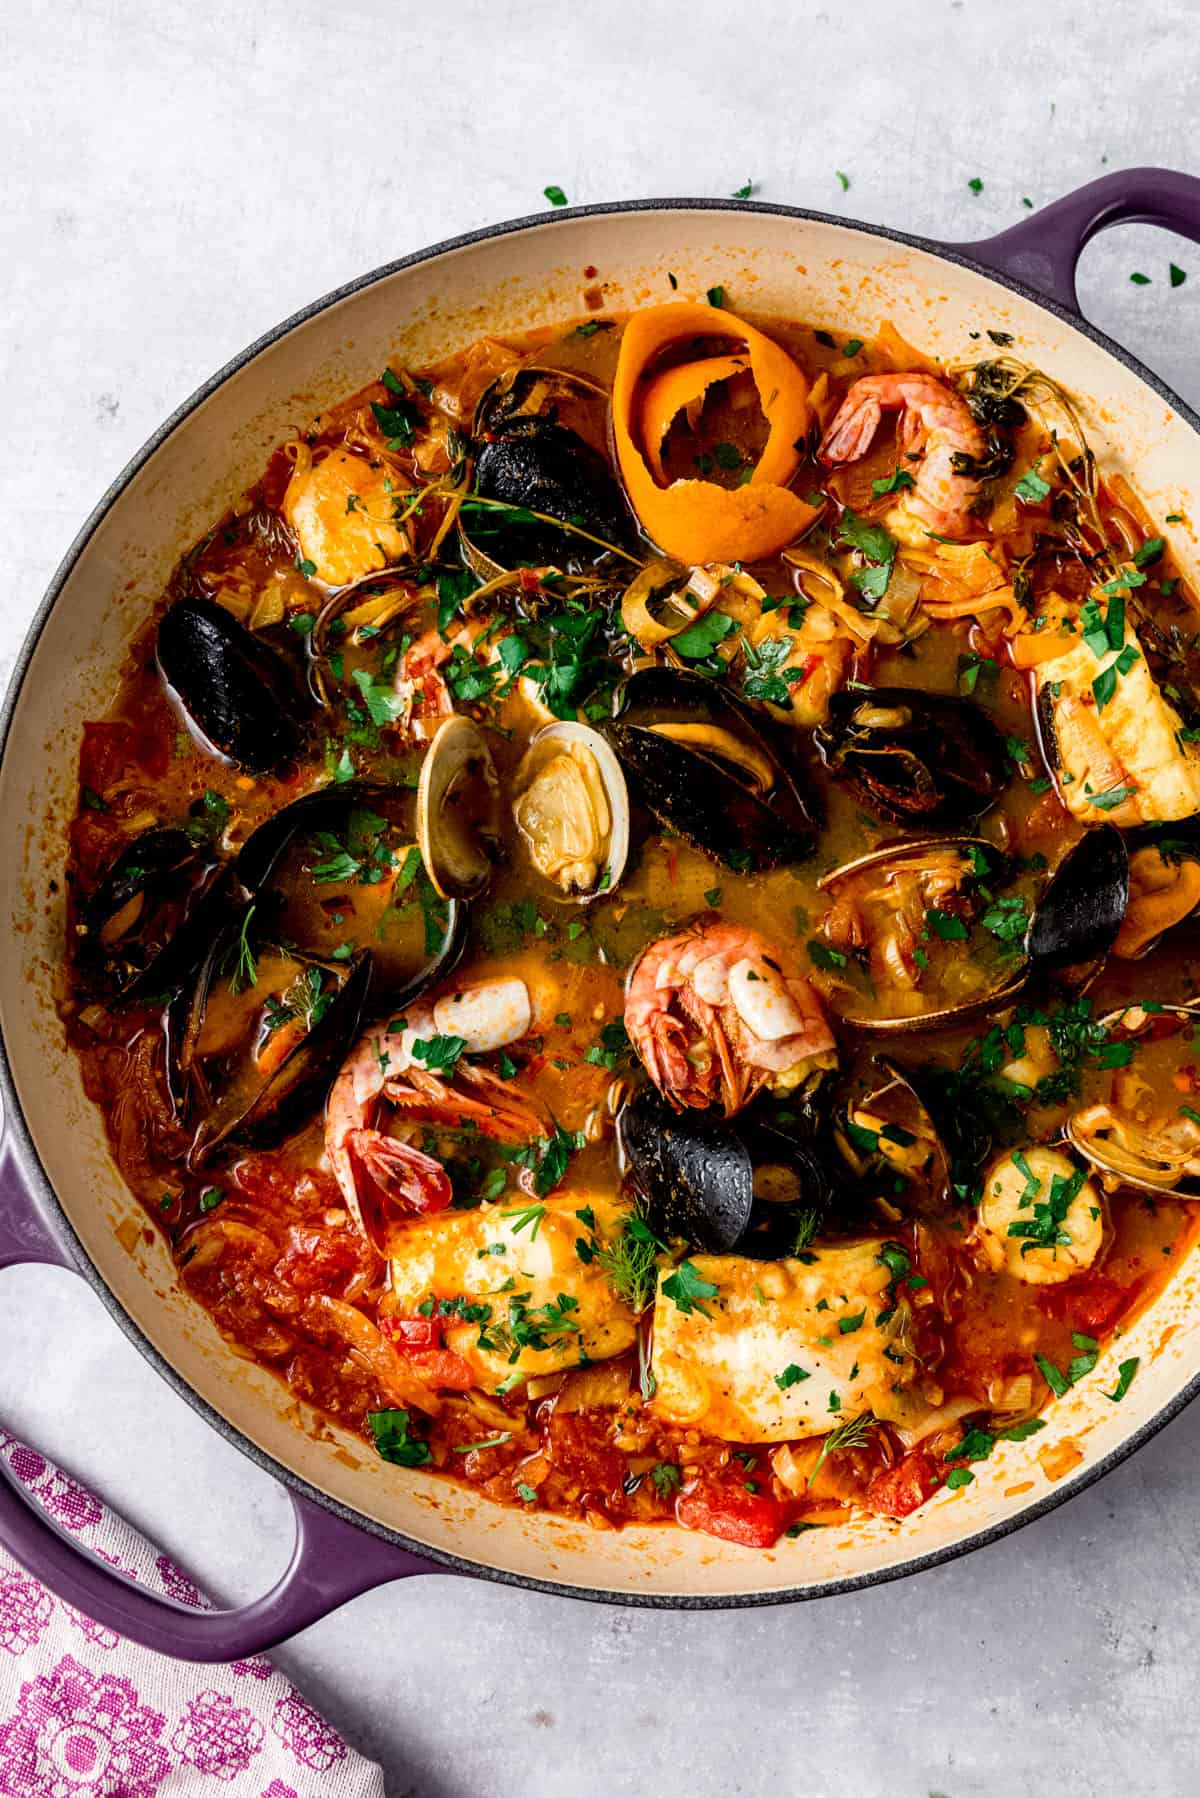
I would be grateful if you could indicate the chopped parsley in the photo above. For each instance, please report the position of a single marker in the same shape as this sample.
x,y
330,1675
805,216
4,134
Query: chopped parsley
x,y
439,1053
687,1289
666,1478
791,1376
1125,1374
394,1440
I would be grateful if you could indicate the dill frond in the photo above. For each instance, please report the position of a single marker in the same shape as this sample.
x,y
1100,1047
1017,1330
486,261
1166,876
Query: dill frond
x,y
855,1432
629,1263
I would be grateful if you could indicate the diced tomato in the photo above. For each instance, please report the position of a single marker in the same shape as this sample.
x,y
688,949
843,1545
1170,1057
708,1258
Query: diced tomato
x,y
441,1368
1092,1303
106,751
897,1491
580,1449
419,1340
409,1333
727,1510
319,1260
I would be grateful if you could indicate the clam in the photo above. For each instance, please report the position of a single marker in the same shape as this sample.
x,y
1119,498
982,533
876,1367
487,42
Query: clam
x,y
528,462
458,810
237,691
371,604
707,768
1073,924
572,810
915,757
1132,1138
920,857
148,921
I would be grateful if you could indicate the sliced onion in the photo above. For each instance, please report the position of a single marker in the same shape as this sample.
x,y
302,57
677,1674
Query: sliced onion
x,y
586,1388
371,1351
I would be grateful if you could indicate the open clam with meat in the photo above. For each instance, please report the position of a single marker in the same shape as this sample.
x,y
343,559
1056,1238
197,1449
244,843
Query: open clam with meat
x,y
632,917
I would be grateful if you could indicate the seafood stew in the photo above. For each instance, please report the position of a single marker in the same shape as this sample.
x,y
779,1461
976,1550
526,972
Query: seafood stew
x,y
626,918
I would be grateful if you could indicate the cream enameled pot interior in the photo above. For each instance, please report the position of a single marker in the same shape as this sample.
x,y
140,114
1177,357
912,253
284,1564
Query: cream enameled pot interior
x,y
820,272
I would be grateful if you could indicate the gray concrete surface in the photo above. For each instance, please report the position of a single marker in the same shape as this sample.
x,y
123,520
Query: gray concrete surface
x,y
177,178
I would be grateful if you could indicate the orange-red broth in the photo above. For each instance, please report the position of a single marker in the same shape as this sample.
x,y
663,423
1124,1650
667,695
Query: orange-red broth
x,y
280,1233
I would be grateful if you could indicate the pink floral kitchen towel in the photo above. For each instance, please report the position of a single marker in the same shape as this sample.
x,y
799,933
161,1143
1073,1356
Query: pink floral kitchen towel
x,y
85,1714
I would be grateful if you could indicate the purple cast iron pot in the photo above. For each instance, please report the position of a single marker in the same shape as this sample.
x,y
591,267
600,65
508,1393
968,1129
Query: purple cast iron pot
x,y
360,1522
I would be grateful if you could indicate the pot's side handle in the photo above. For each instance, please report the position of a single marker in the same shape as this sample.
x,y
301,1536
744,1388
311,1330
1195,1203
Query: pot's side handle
x,y
1043,251
332,1560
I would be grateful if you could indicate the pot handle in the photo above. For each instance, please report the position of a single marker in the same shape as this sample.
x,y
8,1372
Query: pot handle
x,y
1043,251
332,1560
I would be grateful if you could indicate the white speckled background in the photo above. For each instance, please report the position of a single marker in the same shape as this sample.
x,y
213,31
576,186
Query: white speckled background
x,y
177,177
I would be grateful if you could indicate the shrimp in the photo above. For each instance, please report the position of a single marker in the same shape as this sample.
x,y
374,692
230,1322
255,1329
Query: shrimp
x,y
422,687
935,424
717,1012
376,1171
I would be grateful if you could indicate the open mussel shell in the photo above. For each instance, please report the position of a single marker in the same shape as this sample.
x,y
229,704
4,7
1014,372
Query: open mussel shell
x,y
890,1130
914,757
793,1182
233,686
329,808
693,1171
148,921
1077,918
1164,884
1128,1151
326,808
459,810
529,459
701,763
571,806
291,1093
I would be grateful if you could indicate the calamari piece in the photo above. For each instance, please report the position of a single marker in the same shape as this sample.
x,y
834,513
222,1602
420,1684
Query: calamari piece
x,y
546,1307
759,1361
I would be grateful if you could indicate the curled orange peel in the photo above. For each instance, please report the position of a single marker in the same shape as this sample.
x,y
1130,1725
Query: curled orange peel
x,y
694,520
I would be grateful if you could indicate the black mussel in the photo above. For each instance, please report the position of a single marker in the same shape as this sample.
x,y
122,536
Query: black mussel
x,y
758,1186
793,1186
147,923
707,768
233,686
915,757
530,458
249,1095
347,824
891,1144
325,809
692,1170
1077,918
